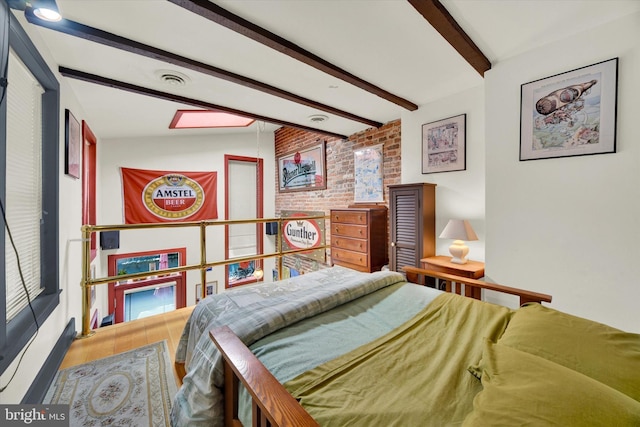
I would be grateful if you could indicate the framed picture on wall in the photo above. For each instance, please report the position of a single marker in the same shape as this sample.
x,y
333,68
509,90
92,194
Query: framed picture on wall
x,y
303,170
368,174
444,145
211,289
570,114
72,145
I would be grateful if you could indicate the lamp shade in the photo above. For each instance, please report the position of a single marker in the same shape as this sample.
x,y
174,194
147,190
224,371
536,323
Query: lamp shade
x,y
458,229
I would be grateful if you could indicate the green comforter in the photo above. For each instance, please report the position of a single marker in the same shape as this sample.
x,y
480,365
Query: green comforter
x,y
253,312
414,376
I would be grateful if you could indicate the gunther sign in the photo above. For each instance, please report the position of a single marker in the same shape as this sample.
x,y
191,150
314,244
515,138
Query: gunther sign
x,y
304,233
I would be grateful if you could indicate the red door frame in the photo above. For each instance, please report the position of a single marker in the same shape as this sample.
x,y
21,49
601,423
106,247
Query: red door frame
x,y
89,155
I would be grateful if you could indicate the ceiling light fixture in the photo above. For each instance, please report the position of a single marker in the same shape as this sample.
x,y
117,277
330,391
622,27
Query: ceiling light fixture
x,y
46,10
318,118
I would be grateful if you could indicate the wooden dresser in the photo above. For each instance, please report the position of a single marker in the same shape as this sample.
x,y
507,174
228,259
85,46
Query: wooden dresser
x,y
359,238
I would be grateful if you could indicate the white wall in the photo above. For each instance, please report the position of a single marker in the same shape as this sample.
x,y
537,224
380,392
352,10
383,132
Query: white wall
x,y
179,153
70,214
459,194
568,227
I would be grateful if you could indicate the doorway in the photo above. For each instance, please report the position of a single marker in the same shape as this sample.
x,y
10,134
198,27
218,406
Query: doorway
x,y
243,200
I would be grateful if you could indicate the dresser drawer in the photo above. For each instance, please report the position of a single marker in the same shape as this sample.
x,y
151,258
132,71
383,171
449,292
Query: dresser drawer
x,y
349,230
350,244
350,257
349,217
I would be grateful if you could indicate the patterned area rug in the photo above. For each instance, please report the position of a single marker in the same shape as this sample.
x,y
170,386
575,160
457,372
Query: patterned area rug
x,y
134,388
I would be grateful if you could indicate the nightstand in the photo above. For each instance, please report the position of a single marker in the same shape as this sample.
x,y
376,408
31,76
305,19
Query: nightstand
x,y
443,264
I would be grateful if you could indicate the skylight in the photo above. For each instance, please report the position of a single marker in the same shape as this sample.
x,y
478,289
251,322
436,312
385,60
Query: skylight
x,y
189,119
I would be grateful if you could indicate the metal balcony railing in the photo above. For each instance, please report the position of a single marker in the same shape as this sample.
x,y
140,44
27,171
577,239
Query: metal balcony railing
x,y
88,282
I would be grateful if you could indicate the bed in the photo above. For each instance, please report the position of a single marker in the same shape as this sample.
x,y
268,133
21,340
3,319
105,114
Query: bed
x,y
339,347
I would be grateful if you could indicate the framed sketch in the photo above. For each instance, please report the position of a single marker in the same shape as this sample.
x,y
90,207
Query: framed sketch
x,y
303,170
72,145
570,114
444,146
368,174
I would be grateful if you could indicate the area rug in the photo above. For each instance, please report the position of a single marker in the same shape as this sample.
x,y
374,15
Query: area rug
x,y
134,388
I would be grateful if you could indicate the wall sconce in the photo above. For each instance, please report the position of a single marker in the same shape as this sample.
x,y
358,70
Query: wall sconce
x,y
461,231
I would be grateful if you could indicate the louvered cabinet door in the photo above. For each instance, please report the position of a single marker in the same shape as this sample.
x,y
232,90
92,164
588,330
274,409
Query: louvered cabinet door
x,y
412,224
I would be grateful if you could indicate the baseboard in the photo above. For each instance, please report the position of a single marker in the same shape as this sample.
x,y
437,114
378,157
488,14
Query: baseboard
x,y
47,373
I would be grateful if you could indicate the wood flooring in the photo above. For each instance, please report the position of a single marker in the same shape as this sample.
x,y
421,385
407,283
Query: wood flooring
x,y
110,340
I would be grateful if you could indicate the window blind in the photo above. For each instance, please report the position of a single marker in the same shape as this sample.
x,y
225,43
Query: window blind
x,y
23,188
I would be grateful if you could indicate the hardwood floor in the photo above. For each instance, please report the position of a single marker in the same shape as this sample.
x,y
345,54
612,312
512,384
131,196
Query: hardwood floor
x,y
121,337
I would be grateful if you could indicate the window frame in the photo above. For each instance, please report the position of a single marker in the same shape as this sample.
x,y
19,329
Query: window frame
x,y
15,334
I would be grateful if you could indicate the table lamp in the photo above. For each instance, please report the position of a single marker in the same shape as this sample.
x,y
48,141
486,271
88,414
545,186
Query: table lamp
x,y
460,230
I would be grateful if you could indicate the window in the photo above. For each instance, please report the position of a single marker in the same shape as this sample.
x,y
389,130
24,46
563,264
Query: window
x,y
29,193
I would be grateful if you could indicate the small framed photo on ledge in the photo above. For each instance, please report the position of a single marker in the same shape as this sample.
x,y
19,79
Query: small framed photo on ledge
x,y
444,145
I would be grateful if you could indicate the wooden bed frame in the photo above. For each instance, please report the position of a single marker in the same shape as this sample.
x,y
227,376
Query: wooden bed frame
x,y
272,405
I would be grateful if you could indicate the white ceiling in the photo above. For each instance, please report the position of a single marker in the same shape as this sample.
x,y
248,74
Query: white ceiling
x,y
385,42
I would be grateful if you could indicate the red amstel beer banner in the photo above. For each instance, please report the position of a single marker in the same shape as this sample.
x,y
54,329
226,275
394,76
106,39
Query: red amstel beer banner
x,y
160,196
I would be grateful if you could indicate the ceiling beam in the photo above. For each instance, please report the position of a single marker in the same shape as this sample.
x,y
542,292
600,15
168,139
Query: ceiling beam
x,y
128,87
235,23
95,35
440,19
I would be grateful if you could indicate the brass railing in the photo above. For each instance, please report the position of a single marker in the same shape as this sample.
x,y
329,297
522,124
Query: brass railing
x,y
88,281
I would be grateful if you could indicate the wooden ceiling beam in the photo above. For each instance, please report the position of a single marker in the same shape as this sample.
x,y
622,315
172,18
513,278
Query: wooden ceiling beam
x,y
95,35
248,29
128,87
440,19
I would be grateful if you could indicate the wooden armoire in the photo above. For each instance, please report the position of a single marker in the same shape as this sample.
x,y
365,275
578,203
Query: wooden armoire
x,y
412,224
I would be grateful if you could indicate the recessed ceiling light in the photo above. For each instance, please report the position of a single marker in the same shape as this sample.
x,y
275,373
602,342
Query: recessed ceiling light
x,y
190,119
172,78
318,118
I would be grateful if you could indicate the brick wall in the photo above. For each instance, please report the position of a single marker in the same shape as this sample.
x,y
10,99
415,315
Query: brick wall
x,y
340,179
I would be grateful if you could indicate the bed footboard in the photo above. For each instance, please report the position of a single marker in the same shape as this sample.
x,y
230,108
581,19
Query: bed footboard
x,y
416,275
272,405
